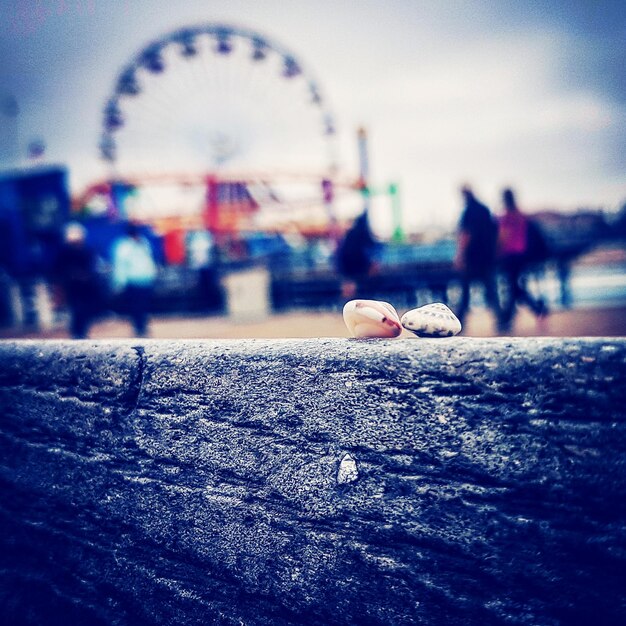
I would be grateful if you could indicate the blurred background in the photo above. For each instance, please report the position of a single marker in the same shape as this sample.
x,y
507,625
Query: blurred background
x,y
242,140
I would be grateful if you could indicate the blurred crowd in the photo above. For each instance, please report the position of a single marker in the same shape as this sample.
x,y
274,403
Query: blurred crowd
x,y
487,246
88,293
494,253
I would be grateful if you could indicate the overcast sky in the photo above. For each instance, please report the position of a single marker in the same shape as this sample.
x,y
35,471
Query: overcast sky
x,y
495,93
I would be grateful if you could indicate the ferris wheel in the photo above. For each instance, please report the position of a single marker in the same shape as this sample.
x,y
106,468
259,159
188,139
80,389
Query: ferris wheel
x,y
216,97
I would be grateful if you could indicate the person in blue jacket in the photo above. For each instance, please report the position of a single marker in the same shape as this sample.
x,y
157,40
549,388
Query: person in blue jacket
x,y
134,274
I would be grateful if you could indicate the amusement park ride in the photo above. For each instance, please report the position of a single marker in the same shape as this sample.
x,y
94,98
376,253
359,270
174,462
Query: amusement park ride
x,y
220,128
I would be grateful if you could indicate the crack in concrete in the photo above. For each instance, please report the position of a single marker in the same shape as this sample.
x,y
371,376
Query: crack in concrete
x,y
137,384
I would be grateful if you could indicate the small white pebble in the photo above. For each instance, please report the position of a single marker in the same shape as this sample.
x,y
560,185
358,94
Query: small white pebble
x,y
348,471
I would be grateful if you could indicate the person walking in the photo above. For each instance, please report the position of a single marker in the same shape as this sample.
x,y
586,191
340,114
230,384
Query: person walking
x,y
355,257
515,254
476,253
75,271
134,274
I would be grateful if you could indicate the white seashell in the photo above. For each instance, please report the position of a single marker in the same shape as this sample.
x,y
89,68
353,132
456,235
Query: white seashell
x,y
348,471
371,318
432,320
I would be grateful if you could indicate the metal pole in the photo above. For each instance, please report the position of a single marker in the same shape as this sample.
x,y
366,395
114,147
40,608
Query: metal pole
x,y
396,209
363,167
212,207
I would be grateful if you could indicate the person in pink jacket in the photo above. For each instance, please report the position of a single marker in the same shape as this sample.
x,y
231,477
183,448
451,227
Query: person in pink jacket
x,y
513,228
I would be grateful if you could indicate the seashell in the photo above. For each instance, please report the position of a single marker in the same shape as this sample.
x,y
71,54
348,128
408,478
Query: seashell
x,y
371,318
432,320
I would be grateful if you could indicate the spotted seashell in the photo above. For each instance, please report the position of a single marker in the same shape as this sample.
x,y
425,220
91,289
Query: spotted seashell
x,y
432,320
371,318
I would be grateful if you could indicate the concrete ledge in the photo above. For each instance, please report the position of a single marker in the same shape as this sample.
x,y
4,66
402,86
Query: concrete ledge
x,y
321,481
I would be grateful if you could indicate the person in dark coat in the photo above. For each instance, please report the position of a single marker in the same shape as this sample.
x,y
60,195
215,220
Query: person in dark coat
x,y
355,256
476,253
76,273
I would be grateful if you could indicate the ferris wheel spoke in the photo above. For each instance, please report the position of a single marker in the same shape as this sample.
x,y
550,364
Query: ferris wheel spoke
x,y
210,68
150,123
199,78
155,103
151,127
252,69
211,71
168,99
166,112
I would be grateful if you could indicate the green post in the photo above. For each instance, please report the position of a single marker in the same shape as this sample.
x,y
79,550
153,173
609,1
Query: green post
x,y
398,233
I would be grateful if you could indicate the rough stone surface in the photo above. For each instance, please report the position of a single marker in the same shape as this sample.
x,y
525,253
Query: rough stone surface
x,y
197,482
